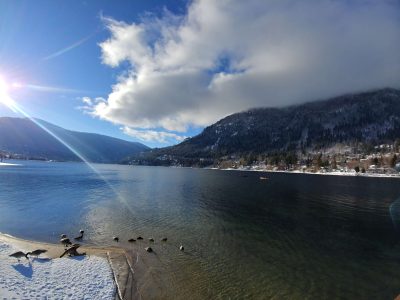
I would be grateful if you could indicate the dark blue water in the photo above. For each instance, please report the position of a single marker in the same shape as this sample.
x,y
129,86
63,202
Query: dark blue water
x,y
292,236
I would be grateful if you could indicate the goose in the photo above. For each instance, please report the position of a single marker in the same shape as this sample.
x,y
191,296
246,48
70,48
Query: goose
x,y
131,240
151,240
181,248
79,237
164,239
37,252
72,251
19,254
65,242
115,238
148,249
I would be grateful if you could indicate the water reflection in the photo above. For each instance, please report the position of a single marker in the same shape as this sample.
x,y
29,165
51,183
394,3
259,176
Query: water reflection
x,y
291,237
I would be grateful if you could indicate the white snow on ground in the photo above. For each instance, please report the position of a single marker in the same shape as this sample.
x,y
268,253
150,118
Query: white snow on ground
x,y
63,278
8,164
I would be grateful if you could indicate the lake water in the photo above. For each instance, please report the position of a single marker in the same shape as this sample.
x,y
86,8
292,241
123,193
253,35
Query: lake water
x,y
292,236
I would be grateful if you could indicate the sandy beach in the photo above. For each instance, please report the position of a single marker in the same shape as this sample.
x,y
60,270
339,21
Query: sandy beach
x,y
103,273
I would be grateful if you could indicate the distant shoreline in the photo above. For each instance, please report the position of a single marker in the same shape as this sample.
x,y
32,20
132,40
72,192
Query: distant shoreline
x,y
9,164
349,174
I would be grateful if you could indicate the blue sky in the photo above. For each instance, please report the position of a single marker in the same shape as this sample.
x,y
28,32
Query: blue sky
x,y
30,31
160,71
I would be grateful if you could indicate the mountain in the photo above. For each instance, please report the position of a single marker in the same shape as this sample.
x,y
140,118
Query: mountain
x,y
370,117
27,139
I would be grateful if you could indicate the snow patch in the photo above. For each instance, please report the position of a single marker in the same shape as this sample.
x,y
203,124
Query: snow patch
x,y
61,278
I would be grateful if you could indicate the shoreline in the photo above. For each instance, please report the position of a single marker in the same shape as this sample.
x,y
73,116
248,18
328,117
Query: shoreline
x,y
348,174
117,260
55,250
8,164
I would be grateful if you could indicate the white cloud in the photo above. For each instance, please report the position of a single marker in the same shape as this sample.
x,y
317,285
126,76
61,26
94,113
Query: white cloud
x,y
226,56
152,135
87,101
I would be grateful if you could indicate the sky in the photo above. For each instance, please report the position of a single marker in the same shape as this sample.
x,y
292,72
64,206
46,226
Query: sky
x,y
160,71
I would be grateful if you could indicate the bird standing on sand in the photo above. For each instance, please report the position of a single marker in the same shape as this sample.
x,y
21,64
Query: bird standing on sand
x,y
63,236
115,238
20,254
148,249
37,252
65,242
72,251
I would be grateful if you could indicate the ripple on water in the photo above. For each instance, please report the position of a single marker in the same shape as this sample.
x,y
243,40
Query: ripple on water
x,y
292,237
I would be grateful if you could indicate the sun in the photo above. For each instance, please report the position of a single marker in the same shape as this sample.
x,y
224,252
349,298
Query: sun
x,y
4,97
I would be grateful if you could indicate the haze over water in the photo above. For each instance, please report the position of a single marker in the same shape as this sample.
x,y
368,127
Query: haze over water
x,y
292,236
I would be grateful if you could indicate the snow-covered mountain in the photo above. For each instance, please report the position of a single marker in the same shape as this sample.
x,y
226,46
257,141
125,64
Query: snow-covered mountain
x,y
369,117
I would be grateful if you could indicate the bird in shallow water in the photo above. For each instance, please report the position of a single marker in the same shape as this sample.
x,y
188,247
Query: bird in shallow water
x,y
151,240
115,238
37,252
65,242
148,249
139,238
181,248
19,254
131,240
63,236
80,236
164,239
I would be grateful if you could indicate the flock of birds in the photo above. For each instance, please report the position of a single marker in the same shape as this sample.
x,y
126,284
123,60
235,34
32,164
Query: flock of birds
x,y
71,249
148,249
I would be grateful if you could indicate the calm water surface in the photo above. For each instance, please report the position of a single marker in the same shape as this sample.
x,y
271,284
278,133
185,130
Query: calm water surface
x,y
293,236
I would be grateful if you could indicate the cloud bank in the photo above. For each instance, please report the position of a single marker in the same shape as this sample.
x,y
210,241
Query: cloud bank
x,y
226,56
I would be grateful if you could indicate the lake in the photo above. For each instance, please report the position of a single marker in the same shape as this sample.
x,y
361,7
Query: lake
x,y
292,236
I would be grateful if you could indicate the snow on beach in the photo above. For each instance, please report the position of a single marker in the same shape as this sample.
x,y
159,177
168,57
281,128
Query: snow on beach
x,y
9,164
61,278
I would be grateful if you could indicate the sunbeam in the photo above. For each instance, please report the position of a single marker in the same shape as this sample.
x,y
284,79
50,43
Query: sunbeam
x,y
11,104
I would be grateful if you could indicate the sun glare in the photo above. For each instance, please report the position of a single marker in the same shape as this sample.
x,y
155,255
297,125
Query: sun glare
x,y
3,87
4,97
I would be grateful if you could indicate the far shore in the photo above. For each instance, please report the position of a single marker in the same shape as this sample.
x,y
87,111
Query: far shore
x,y
327,173
351,174
8,164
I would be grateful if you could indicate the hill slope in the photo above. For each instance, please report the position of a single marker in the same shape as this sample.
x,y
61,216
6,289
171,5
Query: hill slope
x,y
370,117
23,136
